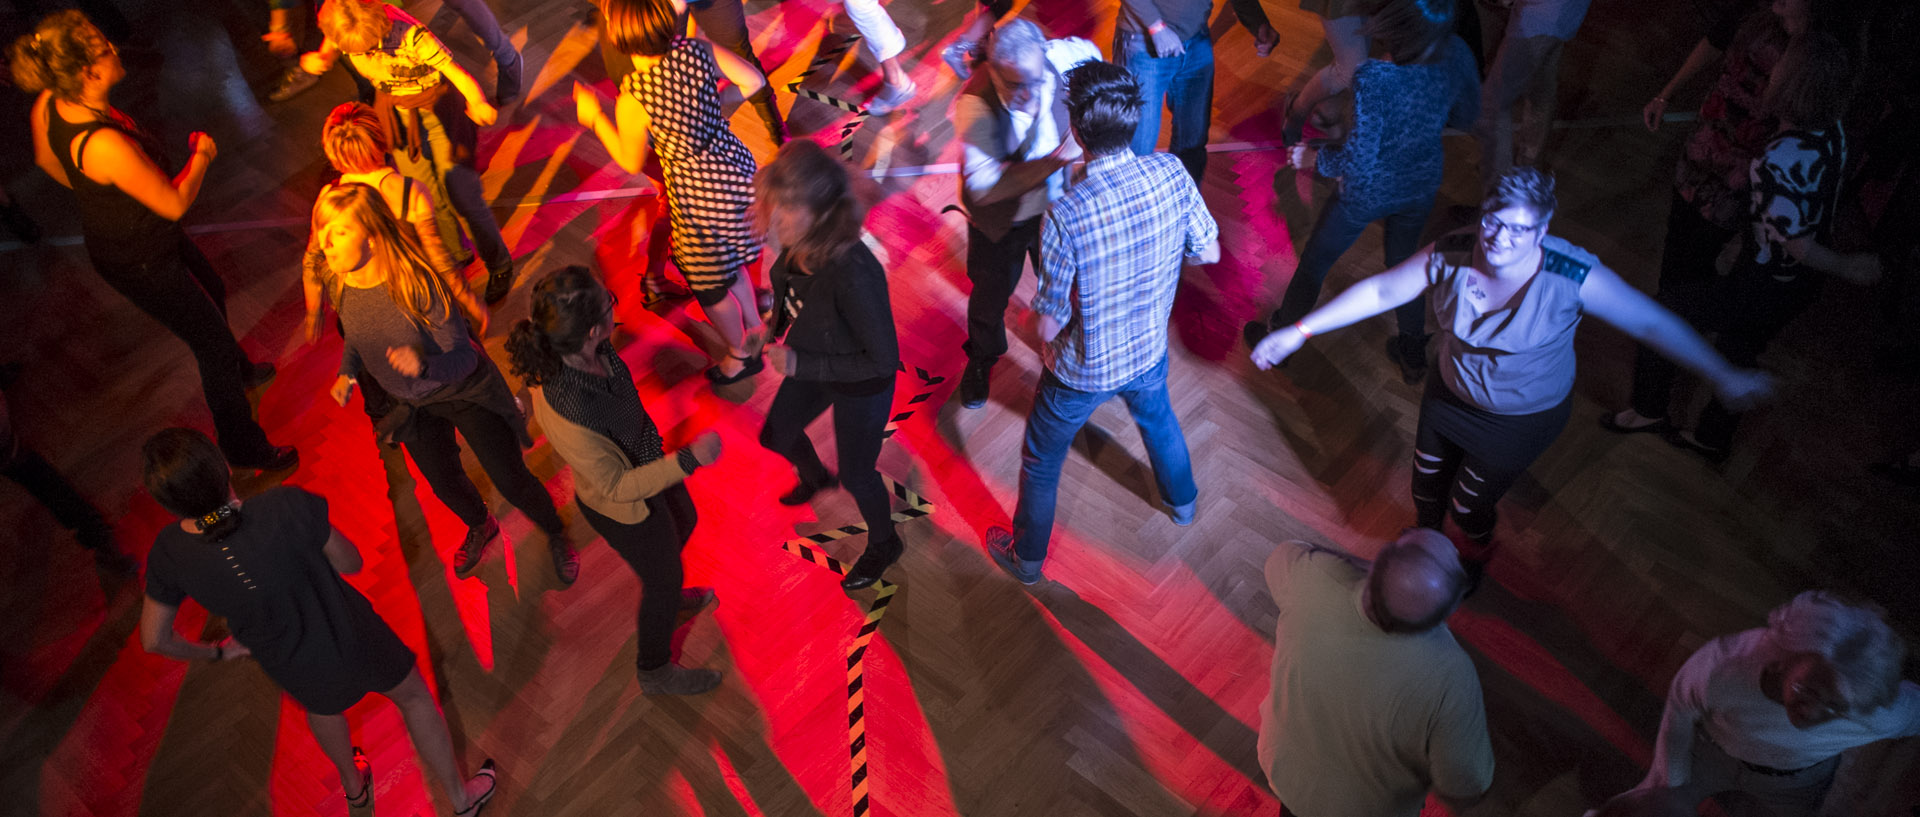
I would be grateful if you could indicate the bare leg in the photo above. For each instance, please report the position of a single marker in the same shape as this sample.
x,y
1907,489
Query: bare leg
x,y
336,742
738,320
428,728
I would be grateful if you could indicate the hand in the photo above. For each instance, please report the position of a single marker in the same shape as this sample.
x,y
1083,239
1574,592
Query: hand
x,y
1861,269
1743,389
1654,113
312,63
200,143
405,360
231,649
1166,43
781,358
280,43
482,113
586,106
706,447
1302,157
1277,346
1264,40
342,390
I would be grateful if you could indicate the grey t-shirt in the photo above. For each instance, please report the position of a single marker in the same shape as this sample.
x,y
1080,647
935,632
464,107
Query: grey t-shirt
x,y
1517,359
373,323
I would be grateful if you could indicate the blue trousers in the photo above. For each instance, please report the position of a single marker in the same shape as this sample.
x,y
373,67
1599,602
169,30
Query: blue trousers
x,y
1058,414
1185,83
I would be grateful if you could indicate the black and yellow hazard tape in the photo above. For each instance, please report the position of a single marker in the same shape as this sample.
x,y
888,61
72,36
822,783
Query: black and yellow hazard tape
x,y
824,59
927,382
806,547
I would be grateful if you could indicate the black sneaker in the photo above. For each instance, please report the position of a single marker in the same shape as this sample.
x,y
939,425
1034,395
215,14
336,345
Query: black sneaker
x,y
867,569
499,283
257,374
974,383
474,548
803,493
566,561
506,84
1254,332
291,84
278,458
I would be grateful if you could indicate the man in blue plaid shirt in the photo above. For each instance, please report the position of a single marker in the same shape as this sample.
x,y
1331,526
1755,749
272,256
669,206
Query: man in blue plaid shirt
x,y
1111,252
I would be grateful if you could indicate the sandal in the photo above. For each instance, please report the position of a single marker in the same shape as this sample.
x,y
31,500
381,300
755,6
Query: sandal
x,y
362,804
754,364
1611,422
658,291
479,802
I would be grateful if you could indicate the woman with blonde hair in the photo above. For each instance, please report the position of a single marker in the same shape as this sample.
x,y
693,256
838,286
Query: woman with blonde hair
x,y
357,146
432,131
671,104
130,210
403,330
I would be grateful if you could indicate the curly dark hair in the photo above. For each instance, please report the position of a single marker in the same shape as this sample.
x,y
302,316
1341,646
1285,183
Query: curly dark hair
x,y
567,305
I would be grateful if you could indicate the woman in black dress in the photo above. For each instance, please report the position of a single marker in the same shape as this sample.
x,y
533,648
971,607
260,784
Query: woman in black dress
x,y
273,572
629,486
130,211
837,346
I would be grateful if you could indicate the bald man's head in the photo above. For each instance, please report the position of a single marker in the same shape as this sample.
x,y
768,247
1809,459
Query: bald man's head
x,y
1414,583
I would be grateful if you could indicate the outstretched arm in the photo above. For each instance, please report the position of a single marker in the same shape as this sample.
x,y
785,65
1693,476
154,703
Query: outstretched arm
x,y
1610,299
1371,296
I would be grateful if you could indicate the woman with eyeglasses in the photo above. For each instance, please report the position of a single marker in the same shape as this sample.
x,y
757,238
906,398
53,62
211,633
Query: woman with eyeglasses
x,y
1506,303
130,210
628,485
1768,712
403,329
430,107
271,566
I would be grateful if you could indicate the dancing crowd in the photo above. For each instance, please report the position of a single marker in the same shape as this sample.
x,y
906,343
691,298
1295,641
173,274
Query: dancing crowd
x,y
1373,704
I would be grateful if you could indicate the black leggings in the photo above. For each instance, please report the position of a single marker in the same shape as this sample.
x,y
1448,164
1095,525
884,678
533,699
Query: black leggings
x,y
495,445
1486,451
181,291
73,511
858,423
652,549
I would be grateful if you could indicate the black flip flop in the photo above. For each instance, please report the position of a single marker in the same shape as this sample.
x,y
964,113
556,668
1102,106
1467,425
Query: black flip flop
x,y
753,367
493,785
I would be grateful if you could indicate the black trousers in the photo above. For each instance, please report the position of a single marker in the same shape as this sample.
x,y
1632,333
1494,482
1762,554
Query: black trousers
x,y
994,268
1467,457
858,423
652,549
495,444
1745,310
182,292
47,485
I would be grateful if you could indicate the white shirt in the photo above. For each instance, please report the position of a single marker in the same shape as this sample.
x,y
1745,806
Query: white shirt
x,y
1718,689
983,161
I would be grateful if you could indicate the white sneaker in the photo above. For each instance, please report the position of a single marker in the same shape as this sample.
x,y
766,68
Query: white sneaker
x,y
891,98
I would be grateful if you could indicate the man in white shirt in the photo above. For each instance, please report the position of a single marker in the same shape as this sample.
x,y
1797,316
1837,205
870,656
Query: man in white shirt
x,y
1016,146
1767,712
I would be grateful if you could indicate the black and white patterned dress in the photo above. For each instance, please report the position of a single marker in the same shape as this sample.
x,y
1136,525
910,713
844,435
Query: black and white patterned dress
x,y
709,172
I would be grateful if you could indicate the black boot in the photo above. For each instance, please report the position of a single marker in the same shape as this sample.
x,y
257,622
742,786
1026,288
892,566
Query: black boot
x,y
867,569
769,112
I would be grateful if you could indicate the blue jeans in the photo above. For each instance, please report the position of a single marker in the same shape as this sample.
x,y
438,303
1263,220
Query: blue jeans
x,y
1185,82
1058,414
1339,225
485,26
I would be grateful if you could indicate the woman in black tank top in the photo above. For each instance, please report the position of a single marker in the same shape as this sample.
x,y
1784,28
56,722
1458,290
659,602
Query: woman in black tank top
x,y
130,210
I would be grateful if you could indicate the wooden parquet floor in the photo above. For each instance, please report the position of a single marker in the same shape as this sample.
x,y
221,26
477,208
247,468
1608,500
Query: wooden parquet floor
x,y
1128,684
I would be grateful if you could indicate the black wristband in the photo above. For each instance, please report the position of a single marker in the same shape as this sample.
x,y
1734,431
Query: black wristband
x,y
688,461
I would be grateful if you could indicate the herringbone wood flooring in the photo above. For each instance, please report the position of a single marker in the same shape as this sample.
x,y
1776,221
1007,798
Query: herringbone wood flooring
x,y
1126,685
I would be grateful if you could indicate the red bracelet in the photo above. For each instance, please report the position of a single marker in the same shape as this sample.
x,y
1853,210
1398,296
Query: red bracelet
x,y
1301,327
1157,27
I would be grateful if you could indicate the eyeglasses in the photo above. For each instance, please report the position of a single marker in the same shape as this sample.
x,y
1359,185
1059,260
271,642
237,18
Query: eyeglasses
x,y
1823,706
1492,225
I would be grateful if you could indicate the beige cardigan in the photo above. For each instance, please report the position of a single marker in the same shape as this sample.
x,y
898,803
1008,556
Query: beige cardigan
x,y
603,478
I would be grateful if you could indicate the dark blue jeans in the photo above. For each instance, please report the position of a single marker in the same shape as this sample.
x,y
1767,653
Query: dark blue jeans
x,y
1185,82
485,26
1058,414
1340,224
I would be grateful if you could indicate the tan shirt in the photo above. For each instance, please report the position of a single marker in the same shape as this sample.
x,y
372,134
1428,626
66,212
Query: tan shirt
x,y
1360,723
603,478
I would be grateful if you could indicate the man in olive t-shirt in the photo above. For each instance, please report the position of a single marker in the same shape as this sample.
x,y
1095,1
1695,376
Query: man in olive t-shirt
x,y
1373,702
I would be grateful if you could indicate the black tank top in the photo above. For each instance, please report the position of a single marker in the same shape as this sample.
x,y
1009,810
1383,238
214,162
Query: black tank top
x,y
120,231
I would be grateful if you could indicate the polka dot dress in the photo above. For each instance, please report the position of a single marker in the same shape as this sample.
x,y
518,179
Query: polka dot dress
x,y
709,172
